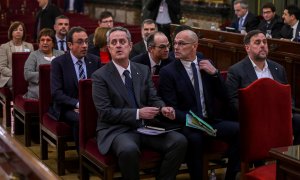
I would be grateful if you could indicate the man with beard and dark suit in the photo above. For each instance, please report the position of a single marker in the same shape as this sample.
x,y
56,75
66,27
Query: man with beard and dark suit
x,y
243,20
124,97
291,29
148,27
61,28
45,18
253,67
66,71
158,53
189,83
271,23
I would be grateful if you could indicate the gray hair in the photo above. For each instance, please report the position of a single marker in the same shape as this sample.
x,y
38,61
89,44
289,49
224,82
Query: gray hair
x,y
243,3
119,28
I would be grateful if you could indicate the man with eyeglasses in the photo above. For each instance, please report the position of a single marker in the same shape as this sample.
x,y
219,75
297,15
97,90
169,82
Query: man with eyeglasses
x,y
106,19
271,23
124,97
66,71
158,53
148,26
190,83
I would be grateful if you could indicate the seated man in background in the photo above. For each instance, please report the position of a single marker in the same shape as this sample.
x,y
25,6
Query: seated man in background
x,y
148,27
190,83
61,27
124,97
271,23
255,66
244,20
106,19
158,53
291,29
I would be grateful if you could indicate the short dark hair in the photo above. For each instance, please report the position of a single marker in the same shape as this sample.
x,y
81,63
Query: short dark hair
x,y
61,17
74,29
293,10
150,39
105,14
269,5
148,21
14,26
118,28
47,32
250,34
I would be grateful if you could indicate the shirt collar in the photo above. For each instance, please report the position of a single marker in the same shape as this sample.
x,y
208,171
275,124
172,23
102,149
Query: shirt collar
x,y
74,59
58,39
152,63
187,64
121,69
256,67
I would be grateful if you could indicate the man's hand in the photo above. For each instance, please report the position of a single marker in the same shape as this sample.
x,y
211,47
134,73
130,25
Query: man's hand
x,y
76,110
207,67
148,112
168,112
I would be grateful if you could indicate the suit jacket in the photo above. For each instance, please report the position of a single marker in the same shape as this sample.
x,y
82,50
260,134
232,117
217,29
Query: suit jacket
x,y
287,32
64,82
176,90
144,59
173,8
242,74
250,23
138,49
6,51
275,26
31,71
46,18
115,114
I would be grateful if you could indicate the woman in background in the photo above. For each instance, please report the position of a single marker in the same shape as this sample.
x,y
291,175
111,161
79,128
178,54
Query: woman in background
x,y
16,43
100,43
44,55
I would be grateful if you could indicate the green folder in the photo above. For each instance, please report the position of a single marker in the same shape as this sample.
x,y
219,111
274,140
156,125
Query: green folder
x,y
193,121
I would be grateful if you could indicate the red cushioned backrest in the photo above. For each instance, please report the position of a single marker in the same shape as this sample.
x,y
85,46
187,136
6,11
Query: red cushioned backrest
x,y
44,89
265,110
87,112
18,81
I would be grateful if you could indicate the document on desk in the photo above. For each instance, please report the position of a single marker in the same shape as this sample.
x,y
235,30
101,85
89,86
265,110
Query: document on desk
x,y
157,127
193,121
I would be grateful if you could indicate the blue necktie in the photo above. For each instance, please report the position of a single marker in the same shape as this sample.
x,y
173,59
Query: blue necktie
x,y
130,90
240,24
157,68
197,90
62,47
80,70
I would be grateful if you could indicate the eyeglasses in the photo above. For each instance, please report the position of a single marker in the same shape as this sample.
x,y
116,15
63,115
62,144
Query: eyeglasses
x,y
163,46
80,42
181,43
108,21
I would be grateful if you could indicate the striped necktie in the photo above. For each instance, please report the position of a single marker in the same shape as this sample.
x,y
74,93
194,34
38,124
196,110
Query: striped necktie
x,y
80,70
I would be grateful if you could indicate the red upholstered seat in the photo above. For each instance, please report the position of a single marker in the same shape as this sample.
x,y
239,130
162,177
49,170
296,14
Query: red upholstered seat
x,y
52,131
25,110
265,122
91,159
5,100
29,105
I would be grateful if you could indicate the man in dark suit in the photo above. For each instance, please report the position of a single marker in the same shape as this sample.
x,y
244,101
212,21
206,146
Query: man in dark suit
x,y
45,18
158,53
271,23
124,97
255,66
61,28
243,20
106,19
164,12
189,83
291,30
148,27
66,71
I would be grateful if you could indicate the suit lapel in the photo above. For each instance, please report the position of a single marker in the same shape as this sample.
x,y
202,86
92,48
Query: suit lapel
x,y
274,71
136,79
71,67
185,76
248,68
89,66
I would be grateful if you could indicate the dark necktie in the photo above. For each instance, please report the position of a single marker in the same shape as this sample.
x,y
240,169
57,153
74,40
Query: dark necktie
x,y
156,71
130,90
61,42
197,90
80,70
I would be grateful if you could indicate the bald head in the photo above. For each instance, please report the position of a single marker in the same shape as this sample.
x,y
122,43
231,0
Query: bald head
x,y
185,45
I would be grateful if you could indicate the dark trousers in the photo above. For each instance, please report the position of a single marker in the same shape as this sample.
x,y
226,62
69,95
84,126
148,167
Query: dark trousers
x,y
72,118
227,131
296,128
127,147
165,28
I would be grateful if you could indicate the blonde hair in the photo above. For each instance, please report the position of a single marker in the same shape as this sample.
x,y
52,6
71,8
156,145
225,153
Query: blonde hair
x,y
100,37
